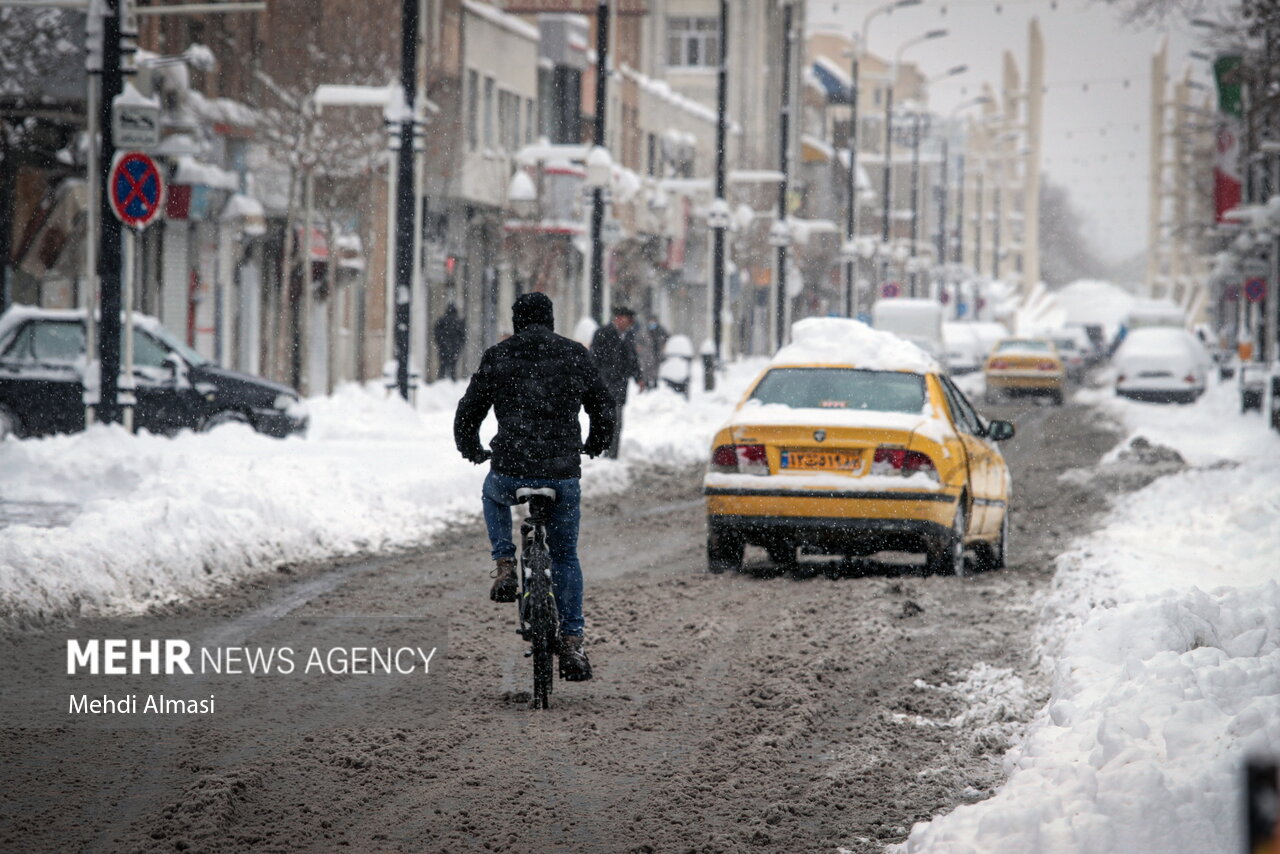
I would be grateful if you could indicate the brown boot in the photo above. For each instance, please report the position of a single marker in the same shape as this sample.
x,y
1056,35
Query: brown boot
x,y
574,666
506,585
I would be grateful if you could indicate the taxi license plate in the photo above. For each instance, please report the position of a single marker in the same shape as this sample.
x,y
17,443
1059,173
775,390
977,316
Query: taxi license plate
x,y
803,460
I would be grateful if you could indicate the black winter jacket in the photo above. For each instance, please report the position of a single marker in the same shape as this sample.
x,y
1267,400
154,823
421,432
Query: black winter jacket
x,y
536,381
615,353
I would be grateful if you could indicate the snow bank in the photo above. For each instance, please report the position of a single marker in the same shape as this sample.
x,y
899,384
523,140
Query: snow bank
x,y
835,340
161,520
1161,633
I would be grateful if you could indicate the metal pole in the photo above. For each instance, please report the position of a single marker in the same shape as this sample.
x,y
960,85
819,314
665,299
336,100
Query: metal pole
x,y
888,176
977,225
597,193
915,197
109,230
851,201
959,253
995,231
784,132
405,213
717,251
93,171
943,192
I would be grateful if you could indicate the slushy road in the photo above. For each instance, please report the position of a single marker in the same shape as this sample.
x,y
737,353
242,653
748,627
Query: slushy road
x,y
745,711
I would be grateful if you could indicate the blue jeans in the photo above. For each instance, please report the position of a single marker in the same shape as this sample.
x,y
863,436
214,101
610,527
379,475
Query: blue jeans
x,y
562,537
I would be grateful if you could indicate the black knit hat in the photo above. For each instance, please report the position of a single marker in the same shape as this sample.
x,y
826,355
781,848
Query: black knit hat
x,y
530,309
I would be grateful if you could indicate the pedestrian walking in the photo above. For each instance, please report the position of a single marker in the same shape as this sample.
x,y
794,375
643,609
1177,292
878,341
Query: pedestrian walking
x,y
451,335
614,351
649,344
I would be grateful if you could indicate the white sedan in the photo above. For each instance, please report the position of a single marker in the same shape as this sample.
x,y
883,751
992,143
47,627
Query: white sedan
x,y
1162,364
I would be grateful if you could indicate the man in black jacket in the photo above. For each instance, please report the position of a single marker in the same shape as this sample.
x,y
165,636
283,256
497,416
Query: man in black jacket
x,y
535,382
615,352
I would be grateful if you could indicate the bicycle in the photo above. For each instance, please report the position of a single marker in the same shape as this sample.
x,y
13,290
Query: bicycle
x,y
539,617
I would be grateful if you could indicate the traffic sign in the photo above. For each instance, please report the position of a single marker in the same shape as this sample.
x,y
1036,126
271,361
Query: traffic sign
x,y
891,290
1255,290
137,190
135,119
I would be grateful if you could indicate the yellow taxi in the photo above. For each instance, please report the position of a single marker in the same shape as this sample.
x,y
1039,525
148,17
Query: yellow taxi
x,y
854,441
1017,366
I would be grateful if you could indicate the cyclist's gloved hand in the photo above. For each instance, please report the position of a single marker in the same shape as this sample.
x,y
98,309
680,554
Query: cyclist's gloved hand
x,y
594,449
477,455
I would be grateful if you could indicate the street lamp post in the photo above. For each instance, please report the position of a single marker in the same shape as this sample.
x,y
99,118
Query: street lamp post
x,y
851,197
405,213
719,220
784,142
944,188
888,135
597,192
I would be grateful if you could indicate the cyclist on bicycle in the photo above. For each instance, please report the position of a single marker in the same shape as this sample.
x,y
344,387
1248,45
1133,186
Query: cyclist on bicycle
x,y
536,381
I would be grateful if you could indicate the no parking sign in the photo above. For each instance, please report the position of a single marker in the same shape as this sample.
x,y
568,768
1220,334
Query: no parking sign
x,y
136,189
1255,290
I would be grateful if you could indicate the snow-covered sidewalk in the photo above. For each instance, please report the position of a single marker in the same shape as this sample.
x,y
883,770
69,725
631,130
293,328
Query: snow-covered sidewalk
x,y
1161,635
161,520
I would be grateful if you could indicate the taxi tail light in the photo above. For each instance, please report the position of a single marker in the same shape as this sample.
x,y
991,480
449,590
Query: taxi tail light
x,y
999,365
1046,366
740,459
904,461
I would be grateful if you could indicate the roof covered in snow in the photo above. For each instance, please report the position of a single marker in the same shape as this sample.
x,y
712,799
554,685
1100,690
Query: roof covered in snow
x,y
838,341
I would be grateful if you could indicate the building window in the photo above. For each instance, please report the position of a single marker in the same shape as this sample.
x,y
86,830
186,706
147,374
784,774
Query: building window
x,y
473,117
693,42
488,112
651,155
530,119
509,120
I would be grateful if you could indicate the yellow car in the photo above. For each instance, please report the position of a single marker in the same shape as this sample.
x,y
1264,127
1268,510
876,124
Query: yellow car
x,y
1024,366
854,441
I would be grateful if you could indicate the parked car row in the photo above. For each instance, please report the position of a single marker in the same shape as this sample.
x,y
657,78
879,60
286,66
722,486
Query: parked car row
x,y
43,367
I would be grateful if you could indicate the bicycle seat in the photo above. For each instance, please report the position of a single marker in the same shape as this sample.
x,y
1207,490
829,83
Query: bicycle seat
x,y
525,493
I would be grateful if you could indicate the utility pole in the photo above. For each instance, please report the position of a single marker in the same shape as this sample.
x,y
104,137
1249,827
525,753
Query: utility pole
x,y
406,214
915,198
109,258
597,193
784,143
943,191
851,190
721,204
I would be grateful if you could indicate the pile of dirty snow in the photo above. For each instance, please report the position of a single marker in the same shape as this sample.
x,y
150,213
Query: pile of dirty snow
x,y
157,520
1161,633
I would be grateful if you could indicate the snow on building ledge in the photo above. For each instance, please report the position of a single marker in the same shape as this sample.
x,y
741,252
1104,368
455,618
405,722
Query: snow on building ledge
x,y
499,18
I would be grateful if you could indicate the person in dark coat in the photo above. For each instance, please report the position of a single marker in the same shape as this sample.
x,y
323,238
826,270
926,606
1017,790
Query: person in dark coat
x,y
536,381
649,344
614,350
451,335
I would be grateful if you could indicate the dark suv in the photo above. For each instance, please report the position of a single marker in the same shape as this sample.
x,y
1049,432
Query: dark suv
x,y
42,367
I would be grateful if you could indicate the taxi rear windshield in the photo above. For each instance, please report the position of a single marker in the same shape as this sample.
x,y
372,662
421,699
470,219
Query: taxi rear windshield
x,y
842,388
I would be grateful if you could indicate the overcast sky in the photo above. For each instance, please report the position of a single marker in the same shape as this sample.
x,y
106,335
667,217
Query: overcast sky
x,y
1097,70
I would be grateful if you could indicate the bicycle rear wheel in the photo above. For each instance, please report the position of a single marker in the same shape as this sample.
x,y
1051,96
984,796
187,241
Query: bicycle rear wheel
x,y
543,627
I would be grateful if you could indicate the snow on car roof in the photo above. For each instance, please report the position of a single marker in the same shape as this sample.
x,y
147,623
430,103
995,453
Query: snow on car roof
x,y
1156,339
839,341
19,312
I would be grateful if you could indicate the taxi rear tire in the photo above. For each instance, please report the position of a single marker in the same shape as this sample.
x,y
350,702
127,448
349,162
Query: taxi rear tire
x,y
724,551
783,554
9,424
1056,397
945,556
